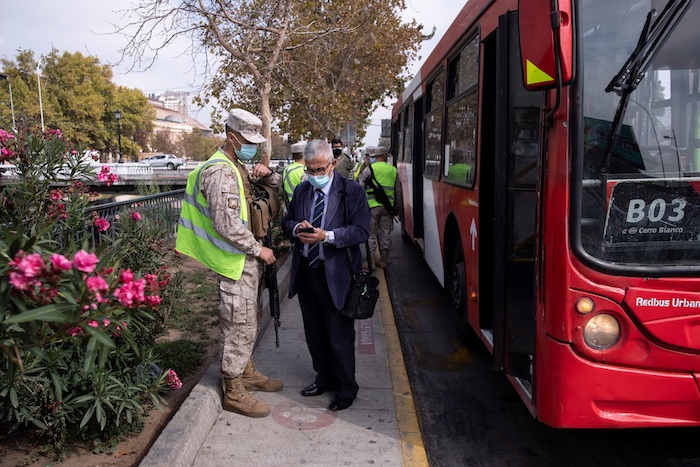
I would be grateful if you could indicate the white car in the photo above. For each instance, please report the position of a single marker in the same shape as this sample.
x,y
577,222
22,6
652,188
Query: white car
x,y
163,160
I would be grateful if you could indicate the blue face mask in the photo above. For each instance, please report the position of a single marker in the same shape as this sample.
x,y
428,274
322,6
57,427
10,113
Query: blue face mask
x,y
372,160
247,151
319,181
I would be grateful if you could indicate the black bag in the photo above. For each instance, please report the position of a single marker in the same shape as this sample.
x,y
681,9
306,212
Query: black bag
x,y
363,294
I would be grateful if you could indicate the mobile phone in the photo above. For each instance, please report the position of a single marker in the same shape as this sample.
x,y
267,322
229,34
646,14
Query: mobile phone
x,y
305,230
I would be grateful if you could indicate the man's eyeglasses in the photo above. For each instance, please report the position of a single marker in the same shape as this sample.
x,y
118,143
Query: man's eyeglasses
x,y
317,171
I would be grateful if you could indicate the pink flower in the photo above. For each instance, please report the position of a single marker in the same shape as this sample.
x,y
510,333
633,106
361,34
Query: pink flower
x,y
136,216
105,322
29,266
126,276
22,282
173,380
56,195
4,136
153,300
74,152
54,131
101,224
106,176
97,284
85,261
151,280
60,262
93,324
131,293
74,331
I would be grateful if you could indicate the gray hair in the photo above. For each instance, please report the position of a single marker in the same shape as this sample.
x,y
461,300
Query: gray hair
x,y
318,149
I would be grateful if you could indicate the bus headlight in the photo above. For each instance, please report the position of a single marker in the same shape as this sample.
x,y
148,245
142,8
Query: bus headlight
x,y
601,331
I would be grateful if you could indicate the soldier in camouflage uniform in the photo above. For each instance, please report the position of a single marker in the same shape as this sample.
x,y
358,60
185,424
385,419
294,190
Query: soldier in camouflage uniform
x,y
216,204
382,222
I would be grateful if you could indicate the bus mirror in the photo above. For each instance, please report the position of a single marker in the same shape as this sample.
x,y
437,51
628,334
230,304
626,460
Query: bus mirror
x,y
539,39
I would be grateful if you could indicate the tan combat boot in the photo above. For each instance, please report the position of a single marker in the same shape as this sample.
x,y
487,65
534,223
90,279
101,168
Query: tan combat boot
x,y
253,380
382,260
237,399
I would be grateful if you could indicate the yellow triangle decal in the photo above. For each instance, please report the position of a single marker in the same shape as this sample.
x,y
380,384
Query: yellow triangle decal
x,y
536,75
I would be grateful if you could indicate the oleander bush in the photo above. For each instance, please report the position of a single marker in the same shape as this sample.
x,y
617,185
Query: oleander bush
x,y
77,321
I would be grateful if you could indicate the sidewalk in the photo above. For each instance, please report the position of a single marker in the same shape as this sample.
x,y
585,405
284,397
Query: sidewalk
x,y
380,428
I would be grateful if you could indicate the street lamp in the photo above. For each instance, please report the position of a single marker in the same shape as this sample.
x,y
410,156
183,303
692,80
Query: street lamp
x,y
12,105
118,116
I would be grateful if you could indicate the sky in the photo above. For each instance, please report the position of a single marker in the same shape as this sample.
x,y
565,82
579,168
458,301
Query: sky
x,y
86,26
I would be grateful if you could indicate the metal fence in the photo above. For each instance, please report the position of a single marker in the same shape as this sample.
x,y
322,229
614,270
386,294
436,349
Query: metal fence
x,y
161,211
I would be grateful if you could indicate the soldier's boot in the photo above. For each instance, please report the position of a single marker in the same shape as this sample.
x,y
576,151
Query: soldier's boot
x,y
253,380
383,258
238,400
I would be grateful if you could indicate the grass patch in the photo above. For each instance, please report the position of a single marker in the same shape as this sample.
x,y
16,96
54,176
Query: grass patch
x,y
184,356
193,304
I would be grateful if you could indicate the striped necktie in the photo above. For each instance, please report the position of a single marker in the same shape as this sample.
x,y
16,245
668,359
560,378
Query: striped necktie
x,y
315,248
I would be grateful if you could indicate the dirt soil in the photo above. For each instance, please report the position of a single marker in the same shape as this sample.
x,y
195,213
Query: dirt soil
x,y
20,450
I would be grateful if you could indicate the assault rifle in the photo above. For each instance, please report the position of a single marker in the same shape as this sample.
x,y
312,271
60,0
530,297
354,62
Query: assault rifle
x,y
270,276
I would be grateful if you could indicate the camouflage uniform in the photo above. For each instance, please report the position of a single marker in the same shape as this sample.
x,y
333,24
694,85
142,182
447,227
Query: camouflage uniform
x,y
240,304
382,221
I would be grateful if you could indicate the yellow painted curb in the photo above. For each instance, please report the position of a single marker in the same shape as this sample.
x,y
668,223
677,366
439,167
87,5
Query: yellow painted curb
x,y
409,429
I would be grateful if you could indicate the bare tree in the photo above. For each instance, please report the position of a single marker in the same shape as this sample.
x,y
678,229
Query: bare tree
x,y
258,52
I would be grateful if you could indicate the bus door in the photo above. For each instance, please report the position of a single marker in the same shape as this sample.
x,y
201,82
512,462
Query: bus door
x,y
515,190
416,142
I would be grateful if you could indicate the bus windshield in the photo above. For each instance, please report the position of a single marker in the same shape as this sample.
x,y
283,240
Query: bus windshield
x,y
640,167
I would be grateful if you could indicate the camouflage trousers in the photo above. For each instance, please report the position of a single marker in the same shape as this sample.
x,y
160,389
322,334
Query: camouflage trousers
x,y
380,227
240,311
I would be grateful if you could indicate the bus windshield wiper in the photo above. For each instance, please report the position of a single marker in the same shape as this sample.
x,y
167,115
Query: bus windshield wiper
x,y
651,39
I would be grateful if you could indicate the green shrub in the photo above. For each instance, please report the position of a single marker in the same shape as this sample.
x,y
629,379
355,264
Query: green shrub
x,y
77,327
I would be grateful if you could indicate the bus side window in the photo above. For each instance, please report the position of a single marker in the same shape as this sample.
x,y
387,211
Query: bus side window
x,y
463,76
433,126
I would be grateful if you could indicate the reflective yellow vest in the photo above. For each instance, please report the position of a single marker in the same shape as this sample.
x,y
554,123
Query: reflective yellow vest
x,y
196,236
357,170
386,176
291,176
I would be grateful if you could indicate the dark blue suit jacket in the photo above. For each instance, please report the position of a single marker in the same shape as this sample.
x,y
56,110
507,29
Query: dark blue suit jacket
x,y
350,236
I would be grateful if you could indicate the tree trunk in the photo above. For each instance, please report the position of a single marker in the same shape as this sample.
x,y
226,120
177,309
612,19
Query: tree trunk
x,y
266,118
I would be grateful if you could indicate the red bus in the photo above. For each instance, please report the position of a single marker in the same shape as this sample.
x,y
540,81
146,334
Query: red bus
x,y
549,152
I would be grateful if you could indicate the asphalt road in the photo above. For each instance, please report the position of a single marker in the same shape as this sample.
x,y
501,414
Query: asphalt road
x,y
471,416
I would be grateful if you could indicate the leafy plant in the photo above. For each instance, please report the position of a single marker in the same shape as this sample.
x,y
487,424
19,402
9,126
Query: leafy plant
x,y
77,325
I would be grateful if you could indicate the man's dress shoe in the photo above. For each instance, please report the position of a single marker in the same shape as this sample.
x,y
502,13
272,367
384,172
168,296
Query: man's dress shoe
x,y
313,390
340,403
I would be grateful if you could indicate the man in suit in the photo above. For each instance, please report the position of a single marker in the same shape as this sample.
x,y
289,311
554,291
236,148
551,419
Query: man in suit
x,y
322,230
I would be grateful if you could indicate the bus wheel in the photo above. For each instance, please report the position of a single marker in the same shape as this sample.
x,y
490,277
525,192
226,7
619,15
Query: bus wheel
x,y
458,296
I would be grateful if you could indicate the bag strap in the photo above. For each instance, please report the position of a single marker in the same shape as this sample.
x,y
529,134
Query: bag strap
x,y
345,220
